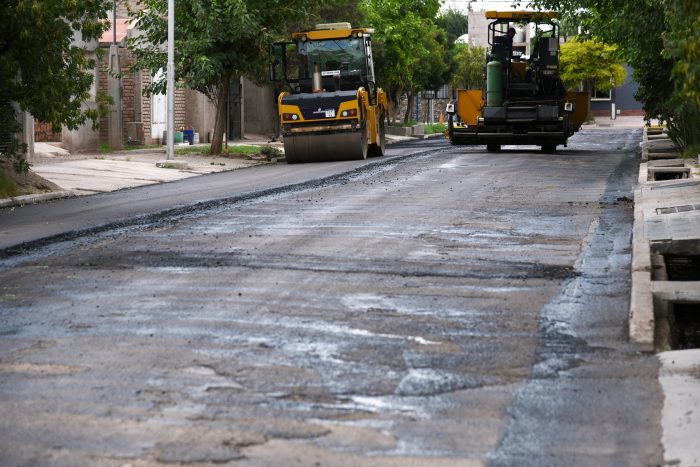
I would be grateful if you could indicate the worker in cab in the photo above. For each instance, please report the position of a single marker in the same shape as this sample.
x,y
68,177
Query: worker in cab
x,y
509,42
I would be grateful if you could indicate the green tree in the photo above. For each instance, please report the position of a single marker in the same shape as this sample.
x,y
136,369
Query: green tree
x,y
42,70
337,11
660,40
592,64
401,41
469,67
454,23
683,46
432,69
215,42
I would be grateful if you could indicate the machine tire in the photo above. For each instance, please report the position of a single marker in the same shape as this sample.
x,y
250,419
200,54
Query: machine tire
x,y
493,147
549,148
378,150
364,147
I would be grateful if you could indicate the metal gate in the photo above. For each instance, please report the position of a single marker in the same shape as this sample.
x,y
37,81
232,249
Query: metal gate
x,y
159,111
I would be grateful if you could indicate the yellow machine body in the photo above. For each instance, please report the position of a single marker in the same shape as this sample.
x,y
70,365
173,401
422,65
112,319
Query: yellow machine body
x,y
333,109
523,100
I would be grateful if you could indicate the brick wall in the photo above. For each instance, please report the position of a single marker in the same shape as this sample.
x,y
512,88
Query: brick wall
x,y
124,5
135,106
145,107
102,88
180,108
128,89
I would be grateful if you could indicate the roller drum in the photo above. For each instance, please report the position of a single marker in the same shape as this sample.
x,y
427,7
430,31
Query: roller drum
x,y
321,147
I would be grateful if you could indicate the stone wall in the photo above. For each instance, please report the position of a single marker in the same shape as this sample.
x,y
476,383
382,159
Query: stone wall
x,y
424,109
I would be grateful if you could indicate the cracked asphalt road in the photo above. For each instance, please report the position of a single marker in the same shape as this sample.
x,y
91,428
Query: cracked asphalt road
x,y
451,307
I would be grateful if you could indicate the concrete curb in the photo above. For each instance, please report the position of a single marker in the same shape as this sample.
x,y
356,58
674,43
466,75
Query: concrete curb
x,y
36,198
172,164
651,291
641,313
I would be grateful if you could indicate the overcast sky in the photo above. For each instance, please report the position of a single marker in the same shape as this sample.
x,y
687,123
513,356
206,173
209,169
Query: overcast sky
x,y
483,4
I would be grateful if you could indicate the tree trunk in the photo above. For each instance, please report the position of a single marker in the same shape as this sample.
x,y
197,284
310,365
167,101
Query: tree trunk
x,y
221,113
409,106
391,105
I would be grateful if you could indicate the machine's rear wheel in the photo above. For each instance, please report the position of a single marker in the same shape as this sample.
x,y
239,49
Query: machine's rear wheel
x,y
378,150
493,147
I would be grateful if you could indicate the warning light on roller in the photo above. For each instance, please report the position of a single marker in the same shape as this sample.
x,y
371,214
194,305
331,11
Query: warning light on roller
x,y
290,117
349,113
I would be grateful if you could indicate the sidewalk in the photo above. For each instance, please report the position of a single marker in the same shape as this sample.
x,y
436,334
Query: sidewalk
x,y
621,121
89,173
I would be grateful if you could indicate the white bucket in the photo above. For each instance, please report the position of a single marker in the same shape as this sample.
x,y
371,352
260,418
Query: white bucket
x,y
195,138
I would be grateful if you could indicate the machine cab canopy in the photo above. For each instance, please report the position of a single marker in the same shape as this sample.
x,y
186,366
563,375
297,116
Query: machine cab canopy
x,y
543,25
342,54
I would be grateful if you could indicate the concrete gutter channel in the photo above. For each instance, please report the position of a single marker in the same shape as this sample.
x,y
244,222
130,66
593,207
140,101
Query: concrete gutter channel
x,y
665,298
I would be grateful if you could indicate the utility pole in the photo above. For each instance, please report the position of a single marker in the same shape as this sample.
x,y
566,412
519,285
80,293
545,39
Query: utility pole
x,y
114,89
171,79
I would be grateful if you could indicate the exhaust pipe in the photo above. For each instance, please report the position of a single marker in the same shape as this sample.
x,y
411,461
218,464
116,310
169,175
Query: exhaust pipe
x,y
316,80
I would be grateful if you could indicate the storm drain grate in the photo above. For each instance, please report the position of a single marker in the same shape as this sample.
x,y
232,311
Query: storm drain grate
x,y
682,268
675,209
668,173
687,319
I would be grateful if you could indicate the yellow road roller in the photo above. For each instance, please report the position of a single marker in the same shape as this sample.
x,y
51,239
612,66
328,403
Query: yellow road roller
x,y
523,100
331,107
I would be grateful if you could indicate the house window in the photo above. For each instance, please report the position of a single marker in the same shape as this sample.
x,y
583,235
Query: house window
x,y
598,95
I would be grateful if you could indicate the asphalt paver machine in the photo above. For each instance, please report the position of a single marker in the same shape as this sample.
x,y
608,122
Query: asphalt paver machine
x,y
331,107
523,100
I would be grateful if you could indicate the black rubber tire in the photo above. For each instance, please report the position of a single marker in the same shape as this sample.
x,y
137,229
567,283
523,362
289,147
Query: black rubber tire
x,y
378,150
549,148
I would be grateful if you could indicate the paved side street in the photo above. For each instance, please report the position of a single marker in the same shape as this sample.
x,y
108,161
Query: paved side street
x,y
433,307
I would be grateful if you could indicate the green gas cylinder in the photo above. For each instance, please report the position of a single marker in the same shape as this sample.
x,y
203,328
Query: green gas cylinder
x,y
494,84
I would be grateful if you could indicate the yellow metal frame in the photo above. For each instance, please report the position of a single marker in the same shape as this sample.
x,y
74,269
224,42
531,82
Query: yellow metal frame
x,y
373,112
522,15
470,103
294,109
324,34
365,112
580,114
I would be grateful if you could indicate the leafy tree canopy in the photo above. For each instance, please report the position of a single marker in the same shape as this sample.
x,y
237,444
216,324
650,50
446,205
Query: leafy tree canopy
x,y
405,36
215,41
660,40
42,69
454,23
469,70
591,62
337,11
